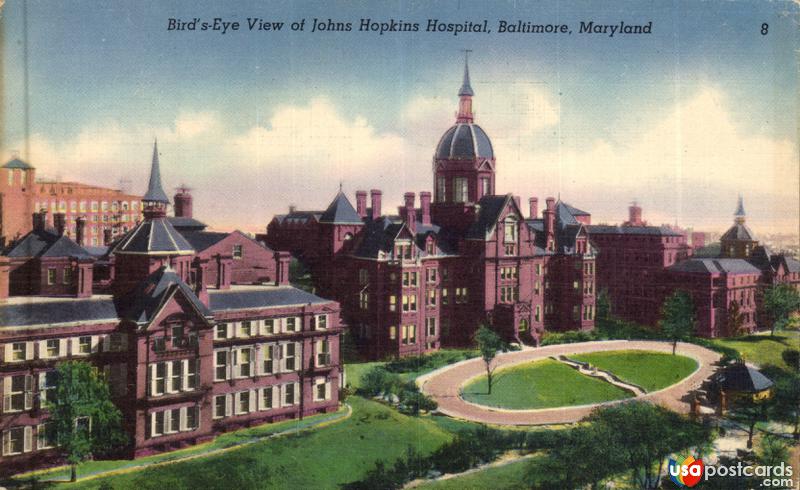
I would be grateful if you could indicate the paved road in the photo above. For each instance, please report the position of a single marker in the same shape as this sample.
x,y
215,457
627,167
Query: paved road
x,y
444,384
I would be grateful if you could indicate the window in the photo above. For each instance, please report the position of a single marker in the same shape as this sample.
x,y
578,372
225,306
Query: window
x,y
237,252
174,424
409,334
537,288
392,333
432,298
461,295
322,389
445,298
537,314
158,373
245,329
52,348
441,194
175,376
269,326
363,276
17,440
47,383
320,322
43,432
323,353
159,344
221,331
220,365
392,303
220,404
156,424
363,300
485,186
51,276
84,345
538,269
409,302
191,418
409,279
576,285
459,189
177,336
244,358
291,324
244,402
431,275
17,393
94,206
116,342
289,352
66,277
269,359
431,326
290,395
510,230
510,249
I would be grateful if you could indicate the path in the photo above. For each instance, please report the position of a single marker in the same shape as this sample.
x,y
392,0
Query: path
x,y
444,384
587,370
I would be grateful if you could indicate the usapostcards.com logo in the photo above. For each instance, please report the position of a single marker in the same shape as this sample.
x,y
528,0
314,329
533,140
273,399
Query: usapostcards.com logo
x,y
690,471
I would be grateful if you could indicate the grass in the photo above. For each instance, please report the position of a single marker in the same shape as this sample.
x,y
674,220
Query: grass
x,y
763,349
333,455
408,368
510,476
541,384
650,370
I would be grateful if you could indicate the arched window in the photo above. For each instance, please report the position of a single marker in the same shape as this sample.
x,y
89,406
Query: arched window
x,y
510,230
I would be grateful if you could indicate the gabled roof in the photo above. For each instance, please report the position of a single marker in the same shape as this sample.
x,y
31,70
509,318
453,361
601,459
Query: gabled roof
x,y
573,210
789,263
729,266
153,236
180,223
17,163
743,378
149,297
46,243
491,207
155,192
739,231
340,211
201,240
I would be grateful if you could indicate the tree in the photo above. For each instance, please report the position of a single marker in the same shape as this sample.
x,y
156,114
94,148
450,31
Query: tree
x,y
773,451
83,422
735,321
643,435
489,344
792,359
749,411
786,404
677,317
603,306
780,301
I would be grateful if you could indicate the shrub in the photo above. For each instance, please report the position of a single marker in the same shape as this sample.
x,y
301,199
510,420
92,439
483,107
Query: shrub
x,y
378,382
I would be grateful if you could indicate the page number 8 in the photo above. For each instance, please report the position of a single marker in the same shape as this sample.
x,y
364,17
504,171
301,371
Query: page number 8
x,y
764,29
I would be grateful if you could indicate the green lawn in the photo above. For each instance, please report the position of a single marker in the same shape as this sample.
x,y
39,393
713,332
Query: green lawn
x,y
323,458
507,477
764,350
650,370
541,384
427,363
354,372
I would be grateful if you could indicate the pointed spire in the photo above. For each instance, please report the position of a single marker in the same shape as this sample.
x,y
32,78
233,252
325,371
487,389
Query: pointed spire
x,y
466,88
740,215
155,192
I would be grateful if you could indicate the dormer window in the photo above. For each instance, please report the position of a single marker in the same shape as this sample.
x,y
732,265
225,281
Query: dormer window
x,y
510,230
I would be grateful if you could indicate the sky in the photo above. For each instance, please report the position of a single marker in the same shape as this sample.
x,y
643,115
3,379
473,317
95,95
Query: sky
x,y
683,119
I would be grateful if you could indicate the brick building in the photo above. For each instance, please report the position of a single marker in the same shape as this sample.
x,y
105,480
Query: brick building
x,y
429,275
108,212
188,353
641,265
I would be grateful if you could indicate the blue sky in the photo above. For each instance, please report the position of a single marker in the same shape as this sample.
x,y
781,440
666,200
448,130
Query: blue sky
x,y
682,119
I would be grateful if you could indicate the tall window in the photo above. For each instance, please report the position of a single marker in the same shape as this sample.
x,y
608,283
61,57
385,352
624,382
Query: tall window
x,y
220,365
269,359
51,276
17,393
323,353
237,252
289,352
485,186
459,189
510,230
441,193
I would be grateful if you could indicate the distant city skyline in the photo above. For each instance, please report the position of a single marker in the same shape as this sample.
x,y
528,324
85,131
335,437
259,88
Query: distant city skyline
x,y
682,120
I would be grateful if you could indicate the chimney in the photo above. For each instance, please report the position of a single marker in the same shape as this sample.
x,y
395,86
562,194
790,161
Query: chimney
x,y
635,214
106,236
409,214
39,220
80,229
425,204
5,270
361,203
60,223
200,277
292,208
533,204
183,203
224,272
282,260
375,196
550,222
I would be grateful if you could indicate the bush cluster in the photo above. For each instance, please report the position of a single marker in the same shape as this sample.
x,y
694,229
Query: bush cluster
x,y
378,382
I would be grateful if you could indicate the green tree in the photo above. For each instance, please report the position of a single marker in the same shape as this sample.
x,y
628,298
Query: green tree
x,y
644,435
750,411
735,321
677,317
773,451
603,305
489,344
792,359
780,301
786,404
83,422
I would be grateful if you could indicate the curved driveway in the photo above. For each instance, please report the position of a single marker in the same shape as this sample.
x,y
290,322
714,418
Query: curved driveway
x,y
444,384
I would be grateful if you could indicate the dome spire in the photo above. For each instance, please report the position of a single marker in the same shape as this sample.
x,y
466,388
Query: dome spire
x,y
465,94
739,215
155,200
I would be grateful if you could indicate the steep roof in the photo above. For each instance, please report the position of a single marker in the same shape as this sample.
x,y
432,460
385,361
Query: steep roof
x,y
155,192
743,378
144,303
739,231
57,311
201,240
17,163
46,243
730,266
465,140
153,236
340,211
466,88
491,207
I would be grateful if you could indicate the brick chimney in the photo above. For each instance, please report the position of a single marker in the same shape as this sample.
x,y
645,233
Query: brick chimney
x,y
84,269
39,220
425,204
60,223
5,271
224,271
408,213
282,260
80,230
107,236
634,214
183,203
200,277
361,203
375,197
550,222
533,205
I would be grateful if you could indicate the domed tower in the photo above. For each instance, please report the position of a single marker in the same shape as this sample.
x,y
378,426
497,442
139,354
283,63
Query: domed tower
x,y
464,163
738,242
153,243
